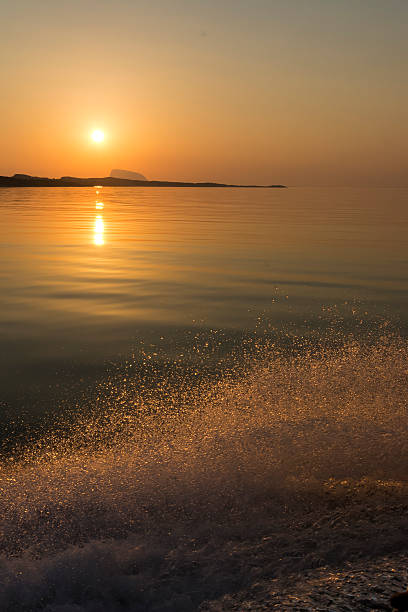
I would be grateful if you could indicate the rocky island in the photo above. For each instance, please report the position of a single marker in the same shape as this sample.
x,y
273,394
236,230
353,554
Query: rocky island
x,y
25,180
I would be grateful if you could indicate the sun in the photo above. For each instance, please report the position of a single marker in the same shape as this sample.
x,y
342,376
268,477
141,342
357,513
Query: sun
x,y
97,136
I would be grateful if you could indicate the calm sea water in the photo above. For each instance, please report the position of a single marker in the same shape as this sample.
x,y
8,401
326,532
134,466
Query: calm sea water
x,y
90,275
168,485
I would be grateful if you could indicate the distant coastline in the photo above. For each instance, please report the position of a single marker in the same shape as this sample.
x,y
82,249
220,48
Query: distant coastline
x,y
108,181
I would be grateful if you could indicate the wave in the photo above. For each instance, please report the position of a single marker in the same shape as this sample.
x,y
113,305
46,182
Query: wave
x,y
301,462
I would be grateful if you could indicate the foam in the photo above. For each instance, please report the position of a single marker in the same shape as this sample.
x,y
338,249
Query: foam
x,y
302,462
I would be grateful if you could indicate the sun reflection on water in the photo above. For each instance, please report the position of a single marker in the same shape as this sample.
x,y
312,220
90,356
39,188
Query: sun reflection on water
x,y
99,229
99,226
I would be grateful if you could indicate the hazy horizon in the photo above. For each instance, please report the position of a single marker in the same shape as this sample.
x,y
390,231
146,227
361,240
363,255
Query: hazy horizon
x,y
221,181
272,92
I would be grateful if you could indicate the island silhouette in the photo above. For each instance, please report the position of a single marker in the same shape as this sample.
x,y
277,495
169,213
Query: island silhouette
x,y
127,174
117,178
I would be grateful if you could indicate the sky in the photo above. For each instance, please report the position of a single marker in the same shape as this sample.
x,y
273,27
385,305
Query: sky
x,y
300,92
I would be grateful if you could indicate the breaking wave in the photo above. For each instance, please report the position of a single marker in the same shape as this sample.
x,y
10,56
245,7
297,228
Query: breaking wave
x,y
297,463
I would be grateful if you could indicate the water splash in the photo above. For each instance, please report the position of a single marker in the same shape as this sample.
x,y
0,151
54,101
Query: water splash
x,y
297,460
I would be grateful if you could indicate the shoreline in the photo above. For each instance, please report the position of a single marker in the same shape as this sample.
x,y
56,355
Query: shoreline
x,y
11,181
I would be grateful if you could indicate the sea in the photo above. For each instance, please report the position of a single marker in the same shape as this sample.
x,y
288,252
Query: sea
x,y
201,389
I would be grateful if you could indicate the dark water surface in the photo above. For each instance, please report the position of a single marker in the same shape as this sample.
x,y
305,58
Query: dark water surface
x,y
90,275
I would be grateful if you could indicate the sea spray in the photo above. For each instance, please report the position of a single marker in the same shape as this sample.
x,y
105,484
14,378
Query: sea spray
x,y
297,461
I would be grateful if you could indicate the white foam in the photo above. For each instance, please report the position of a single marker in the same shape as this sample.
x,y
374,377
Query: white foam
x,y
302,463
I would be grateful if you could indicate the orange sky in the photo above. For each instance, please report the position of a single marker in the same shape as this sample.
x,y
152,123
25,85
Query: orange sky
x,y
264,91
